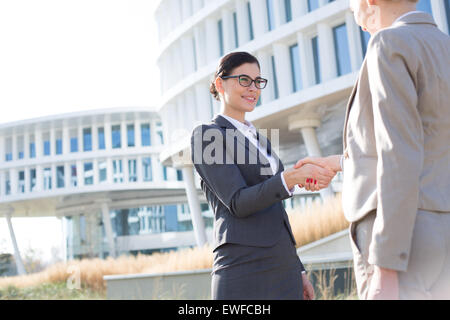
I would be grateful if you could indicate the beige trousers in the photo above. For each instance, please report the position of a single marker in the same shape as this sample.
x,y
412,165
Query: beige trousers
x,y
428,274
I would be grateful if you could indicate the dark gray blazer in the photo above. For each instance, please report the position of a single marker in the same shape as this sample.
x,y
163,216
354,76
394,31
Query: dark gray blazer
x,y
247,205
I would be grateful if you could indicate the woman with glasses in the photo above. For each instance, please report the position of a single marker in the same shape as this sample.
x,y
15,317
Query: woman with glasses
x,y
245,183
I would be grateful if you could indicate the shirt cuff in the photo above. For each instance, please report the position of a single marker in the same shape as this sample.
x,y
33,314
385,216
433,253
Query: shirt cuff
x,y
291,192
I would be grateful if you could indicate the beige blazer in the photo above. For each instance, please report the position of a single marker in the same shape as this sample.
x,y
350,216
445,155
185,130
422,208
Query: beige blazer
x,y
397,135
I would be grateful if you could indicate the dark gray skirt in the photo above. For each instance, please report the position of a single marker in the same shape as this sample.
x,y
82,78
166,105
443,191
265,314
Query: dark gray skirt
x,y
256,273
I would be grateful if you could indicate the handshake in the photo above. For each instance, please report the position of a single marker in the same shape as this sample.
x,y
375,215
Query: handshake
x,y
313,174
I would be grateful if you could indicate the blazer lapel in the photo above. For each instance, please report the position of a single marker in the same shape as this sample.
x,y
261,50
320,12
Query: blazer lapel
x,y
347,113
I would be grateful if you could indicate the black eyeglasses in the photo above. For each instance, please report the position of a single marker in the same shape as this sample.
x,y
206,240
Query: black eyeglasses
x,y
246,81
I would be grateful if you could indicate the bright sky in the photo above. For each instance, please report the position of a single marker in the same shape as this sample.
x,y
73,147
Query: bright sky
x,y
59,56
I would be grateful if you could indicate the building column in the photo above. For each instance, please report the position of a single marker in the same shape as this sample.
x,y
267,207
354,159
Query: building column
x,y
299,8
106,218
354,41
283,69
439,14
187,47
108,137
199,36
67,175
196,5
212,40
2,149
39,178
52,141
203,103
306,60
26,145
15,154
242,22
8,211
65,138
123,135
38,143
327,56
228,30
264,59
94,136
80,174
137,132
259,17
13,180
307,126
194,205
279,13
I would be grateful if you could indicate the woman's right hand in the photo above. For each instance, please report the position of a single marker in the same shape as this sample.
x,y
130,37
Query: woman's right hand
x,y
321,176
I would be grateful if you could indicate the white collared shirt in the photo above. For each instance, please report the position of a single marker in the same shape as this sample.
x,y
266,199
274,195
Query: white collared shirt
x,y
407,14
249,131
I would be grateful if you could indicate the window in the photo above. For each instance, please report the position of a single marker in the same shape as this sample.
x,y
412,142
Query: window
x,y
47,179
147,168
276,93
235,27
342,50
115,136
73,144
117,171
425,6
58,146
313,5
250,22
315,51
132,175
447,9
60,177
32,150
73,175
164,168
46,148
179,175
87,139
270,15
101,138
365,37
88,174
130,135
296,68
102,171
159,133
8,156
145,134
7,184
220,30
21,186
288,10
32,179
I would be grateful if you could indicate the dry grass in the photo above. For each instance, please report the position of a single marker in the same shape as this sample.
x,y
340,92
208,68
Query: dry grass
x,y
317,221
314,223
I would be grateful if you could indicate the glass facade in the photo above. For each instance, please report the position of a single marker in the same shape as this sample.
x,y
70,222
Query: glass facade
x,y
276,93
102,171
342,50
88,174
87,139
220,31
295,68
21,184
270,15
58,146
32,150
46,147
132,173
116,137
250,21
117,171
101,138
145,135
447,9
425,6
130,135
315,52
147,169
365,37
159,133
60,177
32,179
47,179
313,5
73,144
73,175
288,10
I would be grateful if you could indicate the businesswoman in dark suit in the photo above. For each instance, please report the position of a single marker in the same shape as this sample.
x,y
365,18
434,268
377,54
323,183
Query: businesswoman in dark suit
x,y
254,248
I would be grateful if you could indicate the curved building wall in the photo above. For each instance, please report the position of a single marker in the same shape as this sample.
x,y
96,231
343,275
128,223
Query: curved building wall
x,y
72,165
310,50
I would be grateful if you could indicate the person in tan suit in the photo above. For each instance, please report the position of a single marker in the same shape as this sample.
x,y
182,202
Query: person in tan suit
x,y
396,162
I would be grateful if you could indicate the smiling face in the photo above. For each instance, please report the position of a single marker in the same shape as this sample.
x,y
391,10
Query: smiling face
x,y
236,98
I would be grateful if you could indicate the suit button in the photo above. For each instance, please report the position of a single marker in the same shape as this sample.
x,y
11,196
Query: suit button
x,y
403,256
